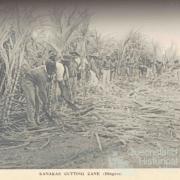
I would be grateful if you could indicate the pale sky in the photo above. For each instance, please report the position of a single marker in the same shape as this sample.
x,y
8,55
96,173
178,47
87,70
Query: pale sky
x,y
159,22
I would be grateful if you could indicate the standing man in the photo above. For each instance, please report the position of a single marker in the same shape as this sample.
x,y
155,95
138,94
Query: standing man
x,y
113,67
176,69
62,74
106,71
158,67
74,72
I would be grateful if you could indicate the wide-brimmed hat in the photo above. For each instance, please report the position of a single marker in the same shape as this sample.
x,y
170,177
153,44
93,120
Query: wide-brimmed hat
x,y
74,53
52,53
158,61
94,55
67,58
107,56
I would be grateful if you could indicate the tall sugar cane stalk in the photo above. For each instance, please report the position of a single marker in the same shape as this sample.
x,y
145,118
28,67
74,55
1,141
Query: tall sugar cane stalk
x,y
14,74
84,53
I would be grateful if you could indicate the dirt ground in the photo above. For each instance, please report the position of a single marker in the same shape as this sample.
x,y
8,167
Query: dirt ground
x,y
136,125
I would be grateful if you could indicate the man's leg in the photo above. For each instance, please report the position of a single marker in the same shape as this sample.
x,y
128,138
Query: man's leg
x,y
66,95
108,76
37,106
104,79
29,92
108,81
114,74
75,88
111,75
67,88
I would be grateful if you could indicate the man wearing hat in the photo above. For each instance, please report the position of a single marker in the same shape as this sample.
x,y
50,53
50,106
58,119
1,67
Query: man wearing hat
x,y
158,67
74,71
62,75
113,67
52,55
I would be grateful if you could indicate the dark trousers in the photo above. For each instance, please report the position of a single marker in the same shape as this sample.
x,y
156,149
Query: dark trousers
x,y
32,101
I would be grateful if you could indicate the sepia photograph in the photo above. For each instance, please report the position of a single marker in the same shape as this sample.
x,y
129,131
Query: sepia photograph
x,y
89,84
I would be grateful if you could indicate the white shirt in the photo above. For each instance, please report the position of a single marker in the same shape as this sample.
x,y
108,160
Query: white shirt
x,y
78,60
93,78
59,71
